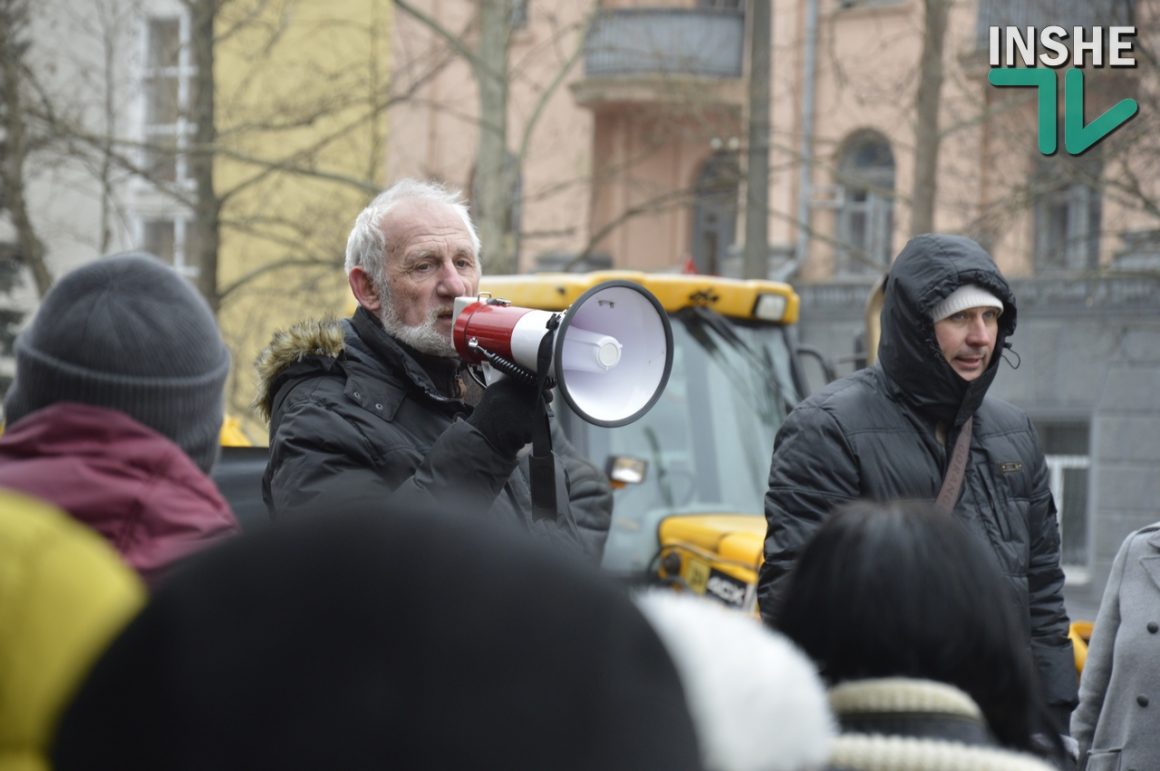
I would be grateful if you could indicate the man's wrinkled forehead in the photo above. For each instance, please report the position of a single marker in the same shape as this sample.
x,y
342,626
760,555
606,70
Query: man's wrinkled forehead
x,y
418,227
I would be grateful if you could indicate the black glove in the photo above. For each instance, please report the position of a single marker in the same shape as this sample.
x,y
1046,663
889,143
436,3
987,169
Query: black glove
x,y
505,414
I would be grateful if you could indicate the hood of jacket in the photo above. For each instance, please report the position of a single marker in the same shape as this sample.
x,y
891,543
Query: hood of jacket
x,y
129,483
928,269
314,339
359,342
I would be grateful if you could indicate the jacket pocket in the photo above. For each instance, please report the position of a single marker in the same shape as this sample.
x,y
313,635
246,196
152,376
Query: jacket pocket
x,y
1103,760
1005,521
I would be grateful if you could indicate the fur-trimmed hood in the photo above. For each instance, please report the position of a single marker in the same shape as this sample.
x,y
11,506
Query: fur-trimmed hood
x,y
315,337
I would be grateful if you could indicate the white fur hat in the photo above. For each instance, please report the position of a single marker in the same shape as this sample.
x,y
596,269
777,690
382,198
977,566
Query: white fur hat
x,y
757,702
966,296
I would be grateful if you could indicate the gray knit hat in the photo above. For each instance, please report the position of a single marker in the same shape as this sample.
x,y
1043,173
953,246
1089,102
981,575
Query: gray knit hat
x,y
128,333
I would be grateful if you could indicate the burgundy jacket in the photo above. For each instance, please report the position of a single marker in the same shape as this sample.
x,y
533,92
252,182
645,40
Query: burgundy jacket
x,y
126,481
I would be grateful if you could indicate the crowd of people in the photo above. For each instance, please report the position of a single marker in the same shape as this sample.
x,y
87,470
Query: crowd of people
x,y
412,608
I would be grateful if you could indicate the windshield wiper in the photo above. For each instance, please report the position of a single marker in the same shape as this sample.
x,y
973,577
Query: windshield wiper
x,y
662,472
765,372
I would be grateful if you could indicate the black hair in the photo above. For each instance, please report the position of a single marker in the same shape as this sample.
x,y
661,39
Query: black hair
x,y
903,590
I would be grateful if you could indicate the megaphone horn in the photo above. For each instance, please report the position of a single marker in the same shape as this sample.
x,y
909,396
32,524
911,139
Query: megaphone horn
x,y
612,352
634,317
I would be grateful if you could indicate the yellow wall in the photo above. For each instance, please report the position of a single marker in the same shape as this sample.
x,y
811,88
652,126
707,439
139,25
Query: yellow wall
x,y
300,87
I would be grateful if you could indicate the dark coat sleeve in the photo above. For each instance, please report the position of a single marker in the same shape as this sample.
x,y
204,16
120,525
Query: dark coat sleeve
x,y
1050,645
813,469
326,457
322,459
589,496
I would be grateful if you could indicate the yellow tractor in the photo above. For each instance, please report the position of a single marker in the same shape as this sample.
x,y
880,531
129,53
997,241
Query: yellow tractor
x,y
691,473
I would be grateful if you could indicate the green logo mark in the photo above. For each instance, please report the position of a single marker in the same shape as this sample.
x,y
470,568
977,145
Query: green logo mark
x,y
1077,137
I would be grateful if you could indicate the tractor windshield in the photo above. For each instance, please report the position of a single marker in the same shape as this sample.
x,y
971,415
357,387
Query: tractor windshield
x,y
707,440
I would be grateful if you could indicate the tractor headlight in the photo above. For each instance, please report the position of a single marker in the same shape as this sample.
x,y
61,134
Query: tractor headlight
x,y
769,307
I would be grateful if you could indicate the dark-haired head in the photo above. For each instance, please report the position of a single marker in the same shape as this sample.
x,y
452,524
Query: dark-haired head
x,y
903,590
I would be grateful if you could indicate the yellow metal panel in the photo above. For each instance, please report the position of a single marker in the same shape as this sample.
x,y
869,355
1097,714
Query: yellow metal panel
x,y
746,547
729,544
735,298
705,531
232,433
1080,633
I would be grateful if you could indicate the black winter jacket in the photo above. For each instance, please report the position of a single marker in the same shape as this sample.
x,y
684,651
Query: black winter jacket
x,y
872,435
354,420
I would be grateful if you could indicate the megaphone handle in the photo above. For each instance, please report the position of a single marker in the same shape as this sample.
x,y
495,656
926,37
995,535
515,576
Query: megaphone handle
x,y
543,481
542,462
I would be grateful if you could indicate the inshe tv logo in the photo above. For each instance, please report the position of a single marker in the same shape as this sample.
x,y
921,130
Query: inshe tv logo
x,y
1053,48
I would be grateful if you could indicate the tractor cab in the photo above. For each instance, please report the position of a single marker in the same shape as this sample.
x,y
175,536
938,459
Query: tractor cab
x,y
690,475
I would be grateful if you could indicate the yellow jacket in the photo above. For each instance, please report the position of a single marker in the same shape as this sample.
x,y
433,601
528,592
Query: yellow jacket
x,y
63,595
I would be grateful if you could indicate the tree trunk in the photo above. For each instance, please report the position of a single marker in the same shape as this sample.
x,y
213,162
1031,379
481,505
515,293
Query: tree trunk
x,y
15,153
207,207
493,172
926,129
756,262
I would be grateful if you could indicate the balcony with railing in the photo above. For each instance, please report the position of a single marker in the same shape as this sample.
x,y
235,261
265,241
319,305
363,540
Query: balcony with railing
x,y
645,54
1044,13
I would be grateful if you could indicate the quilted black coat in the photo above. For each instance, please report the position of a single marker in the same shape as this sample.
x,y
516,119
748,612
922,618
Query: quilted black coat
x,y
355,419
872,435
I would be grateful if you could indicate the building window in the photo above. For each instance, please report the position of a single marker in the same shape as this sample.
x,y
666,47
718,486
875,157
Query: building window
x,y
1067,14
173,239
168,82
1067,212
865,208
1066,446
715,211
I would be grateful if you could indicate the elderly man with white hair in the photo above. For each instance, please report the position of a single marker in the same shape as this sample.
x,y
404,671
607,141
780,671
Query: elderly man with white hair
x,y
376,407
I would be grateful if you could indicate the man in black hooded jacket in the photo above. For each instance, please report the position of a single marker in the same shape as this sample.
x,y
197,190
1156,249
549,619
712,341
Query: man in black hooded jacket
x,y
888,432
377,407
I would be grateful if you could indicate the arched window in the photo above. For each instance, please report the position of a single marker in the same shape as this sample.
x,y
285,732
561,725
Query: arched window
x,y
865,225
715,211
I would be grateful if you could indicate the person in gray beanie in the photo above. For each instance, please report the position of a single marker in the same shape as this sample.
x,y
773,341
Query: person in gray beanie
x,y
128,333
116,408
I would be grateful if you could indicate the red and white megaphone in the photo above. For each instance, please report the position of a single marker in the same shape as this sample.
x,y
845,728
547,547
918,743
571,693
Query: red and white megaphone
x,y
610,358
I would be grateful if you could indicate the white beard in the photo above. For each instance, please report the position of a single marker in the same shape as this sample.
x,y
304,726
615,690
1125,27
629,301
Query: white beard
x,y
423,337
